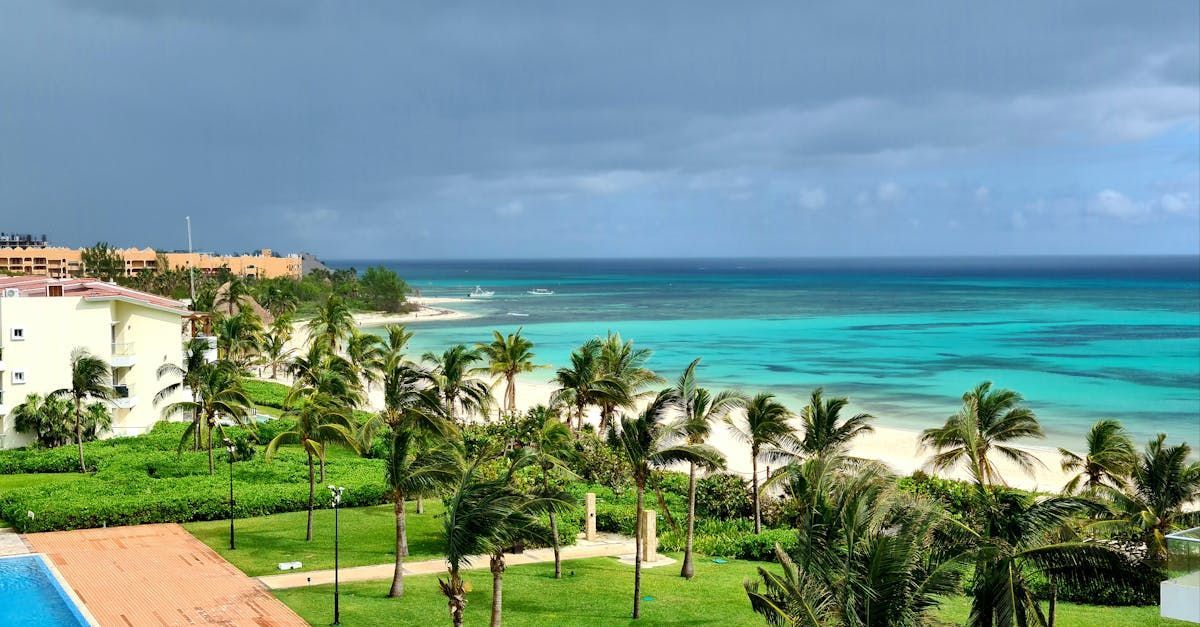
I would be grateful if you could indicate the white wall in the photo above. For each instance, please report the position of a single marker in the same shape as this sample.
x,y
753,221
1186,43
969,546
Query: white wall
x,y
55,326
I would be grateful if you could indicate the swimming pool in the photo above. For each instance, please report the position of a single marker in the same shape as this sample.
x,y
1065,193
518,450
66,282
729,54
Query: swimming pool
x,y
33,596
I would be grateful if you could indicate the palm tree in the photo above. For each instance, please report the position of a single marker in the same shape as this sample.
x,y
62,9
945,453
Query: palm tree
x,y
1109,458
218,393
235,295
195,360
551,447
649,443
319,421
866,556
239,337
48,419
277,300
484,516
583,383
699,410
824,430
276,353
96,420
508,356
766,428
413,413
90,379
332,323
453,374
1162,482
988,420
624,366
1020,538
366,352
325,372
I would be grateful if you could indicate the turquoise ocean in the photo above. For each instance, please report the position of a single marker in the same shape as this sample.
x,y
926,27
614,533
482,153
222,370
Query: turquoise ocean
x,y
1080,338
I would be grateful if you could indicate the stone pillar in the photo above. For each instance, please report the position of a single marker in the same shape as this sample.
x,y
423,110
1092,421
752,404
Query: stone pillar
x,y
589,530
649,536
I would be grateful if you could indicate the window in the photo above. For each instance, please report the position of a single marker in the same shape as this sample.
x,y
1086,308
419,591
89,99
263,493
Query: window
x,y
17,334
18,377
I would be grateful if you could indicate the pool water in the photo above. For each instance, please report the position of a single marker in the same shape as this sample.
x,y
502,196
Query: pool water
x,y
33,596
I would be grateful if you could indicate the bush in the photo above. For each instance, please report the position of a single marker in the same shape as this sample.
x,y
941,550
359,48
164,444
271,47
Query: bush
x,y
143,480
723,497
1141,589
266,393
597,463
734,539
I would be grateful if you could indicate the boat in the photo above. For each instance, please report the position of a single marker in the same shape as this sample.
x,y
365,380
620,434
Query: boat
x,y
479,292
518,314
540,291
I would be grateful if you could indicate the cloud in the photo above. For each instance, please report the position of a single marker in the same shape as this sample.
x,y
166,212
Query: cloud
x,y
889,192
1117,205
982,194
1176,203
812,198
510,209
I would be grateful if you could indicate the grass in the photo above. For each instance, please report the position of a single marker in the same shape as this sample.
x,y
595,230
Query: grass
x,y
954,610
592,592
367,536
36,480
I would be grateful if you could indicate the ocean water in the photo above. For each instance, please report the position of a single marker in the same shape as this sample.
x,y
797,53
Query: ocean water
x,y
1080,338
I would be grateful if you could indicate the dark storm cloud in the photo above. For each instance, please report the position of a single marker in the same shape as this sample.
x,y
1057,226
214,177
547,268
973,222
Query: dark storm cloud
x,y
388,129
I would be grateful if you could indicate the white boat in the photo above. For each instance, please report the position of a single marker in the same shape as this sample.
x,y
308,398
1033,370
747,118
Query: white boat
x,y
518,314
540,291
479,292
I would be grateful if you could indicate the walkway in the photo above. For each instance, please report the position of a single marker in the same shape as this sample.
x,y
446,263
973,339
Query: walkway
x,y
11,543
158,575
605,545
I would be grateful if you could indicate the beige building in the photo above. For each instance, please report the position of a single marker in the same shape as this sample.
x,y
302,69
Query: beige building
x,y
58,262
43,320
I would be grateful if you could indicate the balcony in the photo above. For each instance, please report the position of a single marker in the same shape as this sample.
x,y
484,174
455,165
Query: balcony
x,y
123,355
124,397
1180,594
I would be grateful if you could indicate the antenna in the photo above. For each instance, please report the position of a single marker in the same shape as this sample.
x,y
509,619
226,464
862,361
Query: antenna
x,y
191,268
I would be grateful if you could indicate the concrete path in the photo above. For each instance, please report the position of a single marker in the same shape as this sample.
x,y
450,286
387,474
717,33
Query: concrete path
x,y
605,545
11,543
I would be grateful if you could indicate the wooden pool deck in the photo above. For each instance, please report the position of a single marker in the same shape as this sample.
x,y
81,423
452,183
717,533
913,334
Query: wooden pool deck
x,y
158,575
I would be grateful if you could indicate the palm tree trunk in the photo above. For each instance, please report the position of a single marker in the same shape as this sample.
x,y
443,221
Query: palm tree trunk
x,y
754,488
457,599
688,570
321,457
79,434
510,393
497,567
401,549
637,552
554,539
312,486
210,448
420,505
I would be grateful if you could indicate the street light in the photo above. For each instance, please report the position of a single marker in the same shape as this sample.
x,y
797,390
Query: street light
x,y
336,491
231,449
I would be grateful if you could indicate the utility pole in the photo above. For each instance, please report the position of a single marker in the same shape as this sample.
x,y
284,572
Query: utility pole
x,y
191,268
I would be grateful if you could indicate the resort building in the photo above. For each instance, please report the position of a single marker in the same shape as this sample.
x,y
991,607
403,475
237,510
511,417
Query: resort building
x,y
42,320
22,240
61,263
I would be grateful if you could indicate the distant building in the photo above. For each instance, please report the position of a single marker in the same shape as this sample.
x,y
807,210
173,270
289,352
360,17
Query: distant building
x,y
22,240
62,263
42,320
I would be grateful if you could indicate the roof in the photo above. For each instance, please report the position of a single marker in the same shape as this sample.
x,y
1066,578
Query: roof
x,y
90,290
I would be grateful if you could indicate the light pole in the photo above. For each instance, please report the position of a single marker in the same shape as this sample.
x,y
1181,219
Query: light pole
x,y
336,491
231,449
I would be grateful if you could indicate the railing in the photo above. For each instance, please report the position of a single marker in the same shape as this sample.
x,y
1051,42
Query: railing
x,y
121,390
1181,591
122,348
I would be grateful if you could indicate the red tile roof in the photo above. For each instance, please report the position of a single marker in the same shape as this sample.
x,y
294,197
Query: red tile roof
x,y
88,289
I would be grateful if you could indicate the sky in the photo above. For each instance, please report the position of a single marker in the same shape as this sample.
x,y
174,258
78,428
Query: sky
x,y
604,129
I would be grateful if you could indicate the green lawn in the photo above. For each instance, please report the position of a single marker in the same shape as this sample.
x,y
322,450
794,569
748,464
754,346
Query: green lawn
x,y
955,610
592,592
367,537
34,480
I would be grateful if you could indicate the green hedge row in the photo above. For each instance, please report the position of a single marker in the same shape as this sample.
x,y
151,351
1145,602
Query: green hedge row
x,y
734,539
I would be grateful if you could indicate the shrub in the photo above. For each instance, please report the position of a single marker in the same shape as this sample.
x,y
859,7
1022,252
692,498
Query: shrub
x,y
266,393
597,463
723,497
734,538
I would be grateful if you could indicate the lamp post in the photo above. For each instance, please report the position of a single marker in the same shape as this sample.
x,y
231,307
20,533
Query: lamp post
x,y
231,449
336,491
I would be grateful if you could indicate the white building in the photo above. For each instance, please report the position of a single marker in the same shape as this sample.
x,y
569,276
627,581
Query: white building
x,y
42,320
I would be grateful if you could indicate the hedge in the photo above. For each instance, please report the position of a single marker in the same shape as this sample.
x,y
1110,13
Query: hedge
x,y
733,539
